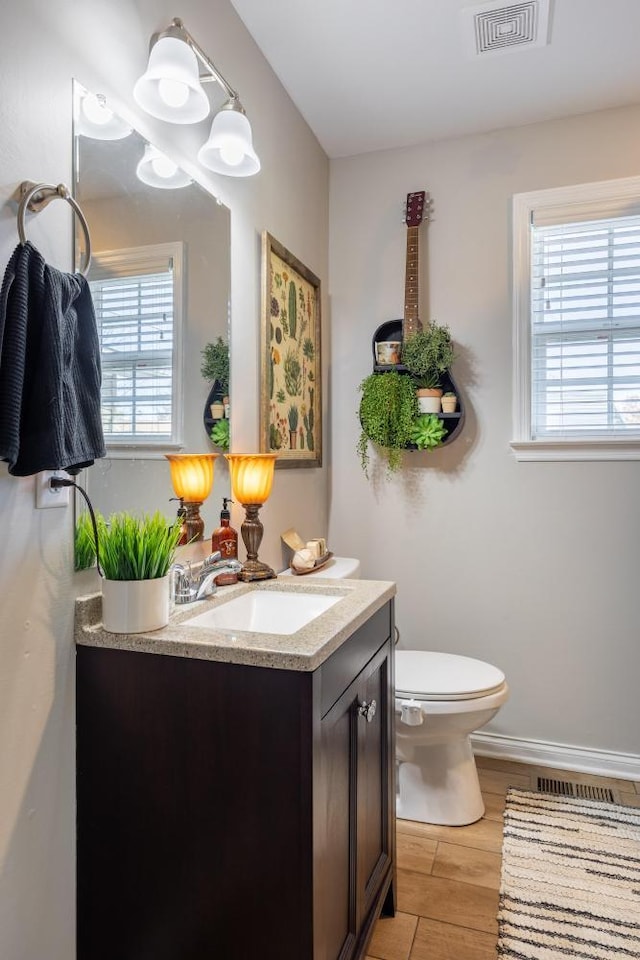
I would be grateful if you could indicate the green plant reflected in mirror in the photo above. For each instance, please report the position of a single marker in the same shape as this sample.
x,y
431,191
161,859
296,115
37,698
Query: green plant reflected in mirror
x,y
160,279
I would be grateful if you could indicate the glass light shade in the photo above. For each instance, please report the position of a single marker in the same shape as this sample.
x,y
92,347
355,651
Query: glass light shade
x,y
229,149
192,475
157,170
170,89
251,476
97,121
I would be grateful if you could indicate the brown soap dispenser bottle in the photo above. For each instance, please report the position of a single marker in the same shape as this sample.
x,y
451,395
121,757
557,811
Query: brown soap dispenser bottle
x,y
225,538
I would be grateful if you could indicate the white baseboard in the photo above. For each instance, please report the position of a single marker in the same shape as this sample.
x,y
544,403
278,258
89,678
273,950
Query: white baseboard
x,y
603,763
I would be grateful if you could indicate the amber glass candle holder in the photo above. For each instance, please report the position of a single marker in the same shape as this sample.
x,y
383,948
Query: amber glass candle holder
x,y
251,482
192,479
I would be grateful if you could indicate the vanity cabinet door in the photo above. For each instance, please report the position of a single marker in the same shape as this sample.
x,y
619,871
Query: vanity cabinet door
x,y
355,835
375,793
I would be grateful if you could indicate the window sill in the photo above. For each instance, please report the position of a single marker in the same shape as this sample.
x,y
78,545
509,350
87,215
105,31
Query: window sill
x,y
147,451
576,450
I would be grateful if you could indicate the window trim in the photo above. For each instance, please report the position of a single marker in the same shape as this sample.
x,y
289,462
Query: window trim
x,y
590,199
143,254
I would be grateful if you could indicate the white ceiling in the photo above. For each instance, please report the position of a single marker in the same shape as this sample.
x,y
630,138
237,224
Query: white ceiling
x,y
376,74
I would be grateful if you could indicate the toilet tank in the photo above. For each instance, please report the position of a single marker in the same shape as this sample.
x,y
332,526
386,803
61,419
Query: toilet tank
x,y
336,568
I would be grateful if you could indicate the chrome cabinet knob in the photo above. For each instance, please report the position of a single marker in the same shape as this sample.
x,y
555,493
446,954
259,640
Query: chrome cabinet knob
x,y
368,710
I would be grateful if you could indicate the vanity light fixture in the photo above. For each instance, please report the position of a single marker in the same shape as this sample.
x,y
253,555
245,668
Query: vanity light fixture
x,y
171,89
192,479
251,482
157,170
97,121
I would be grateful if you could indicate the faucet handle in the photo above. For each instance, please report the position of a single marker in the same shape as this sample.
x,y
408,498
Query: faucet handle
x,y
182,589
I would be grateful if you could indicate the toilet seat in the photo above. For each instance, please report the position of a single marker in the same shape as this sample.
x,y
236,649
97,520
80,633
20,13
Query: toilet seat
x,y
429,676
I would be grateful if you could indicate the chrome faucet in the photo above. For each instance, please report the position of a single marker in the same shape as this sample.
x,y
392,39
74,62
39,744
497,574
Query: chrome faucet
x,y
194,581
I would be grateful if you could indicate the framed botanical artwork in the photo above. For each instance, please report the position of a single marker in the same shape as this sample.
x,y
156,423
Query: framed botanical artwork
x,y
291,385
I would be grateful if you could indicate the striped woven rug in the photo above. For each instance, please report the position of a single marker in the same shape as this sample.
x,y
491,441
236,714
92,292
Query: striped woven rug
x,y
570,879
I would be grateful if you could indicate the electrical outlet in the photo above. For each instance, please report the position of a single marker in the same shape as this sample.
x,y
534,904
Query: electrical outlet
x,y
45,496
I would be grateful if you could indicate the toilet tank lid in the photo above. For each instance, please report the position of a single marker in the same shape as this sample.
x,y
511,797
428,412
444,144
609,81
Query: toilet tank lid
x,y
336,568
427,675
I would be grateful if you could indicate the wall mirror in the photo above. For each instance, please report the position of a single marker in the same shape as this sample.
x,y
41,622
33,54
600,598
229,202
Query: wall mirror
x,y
160,278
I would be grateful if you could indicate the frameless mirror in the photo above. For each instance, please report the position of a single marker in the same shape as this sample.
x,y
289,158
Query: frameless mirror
x,y
160,278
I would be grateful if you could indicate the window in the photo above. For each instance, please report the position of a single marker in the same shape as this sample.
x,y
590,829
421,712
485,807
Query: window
x,y
137,295
577,322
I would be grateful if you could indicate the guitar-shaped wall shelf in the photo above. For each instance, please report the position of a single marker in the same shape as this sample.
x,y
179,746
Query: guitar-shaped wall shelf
x,y
418,208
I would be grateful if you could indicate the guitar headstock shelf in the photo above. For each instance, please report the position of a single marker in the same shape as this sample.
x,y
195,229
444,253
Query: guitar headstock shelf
x,y
418,208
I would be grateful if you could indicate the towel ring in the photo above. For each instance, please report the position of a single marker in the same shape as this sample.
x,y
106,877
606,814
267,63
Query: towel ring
x,y
36,196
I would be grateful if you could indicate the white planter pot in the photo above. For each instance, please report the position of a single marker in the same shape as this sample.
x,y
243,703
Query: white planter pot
x,y
135,606
429,404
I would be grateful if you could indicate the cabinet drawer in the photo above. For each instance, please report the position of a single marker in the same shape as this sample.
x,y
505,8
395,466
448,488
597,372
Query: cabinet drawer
x,y
346,663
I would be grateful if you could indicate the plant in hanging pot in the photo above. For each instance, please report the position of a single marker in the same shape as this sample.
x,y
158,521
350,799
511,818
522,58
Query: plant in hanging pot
x,y
428,431
215,370
135,554
428,355
221,433
388,409
449,402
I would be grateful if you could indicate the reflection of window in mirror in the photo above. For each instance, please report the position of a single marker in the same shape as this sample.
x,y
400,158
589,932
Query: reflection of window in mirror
x,y
137,293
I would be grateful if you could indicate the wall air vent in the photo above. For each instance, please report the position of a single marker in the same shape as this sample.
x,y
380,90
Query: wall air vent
x,y
511,24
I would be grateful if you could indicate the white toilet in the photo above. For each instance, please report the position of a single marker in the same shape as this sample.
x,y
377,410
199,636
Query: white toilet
x,y
440,700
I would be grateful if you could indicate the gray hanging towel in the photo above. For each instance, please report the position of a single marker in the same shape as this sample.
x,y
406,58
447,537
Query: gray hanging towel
x,y
50,373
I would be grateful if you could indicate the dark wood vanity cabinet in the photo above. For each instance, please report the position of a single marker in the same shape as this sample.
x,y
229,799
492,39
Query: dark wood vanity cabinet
x,y
233,812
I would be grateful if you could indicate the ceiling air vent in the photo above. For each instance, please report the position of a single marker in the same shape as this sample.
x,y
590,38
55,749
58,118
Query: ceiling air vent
x,y
509,25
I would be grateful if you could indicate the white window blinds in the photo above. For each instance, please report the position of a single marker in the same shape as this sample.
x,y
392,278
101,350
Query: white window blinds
x,y
585,328
137,297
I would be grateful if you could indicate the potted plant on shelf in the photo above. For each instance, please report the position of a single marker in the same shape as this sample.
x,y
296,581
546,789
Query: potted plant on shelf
x,y
388,409
449,402
428,431
427,356
135,554
220,434
215,370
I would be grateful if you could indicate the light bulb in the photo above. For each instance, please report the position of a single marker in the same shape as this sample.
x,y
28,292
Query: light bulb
x,y
232,152
163,167
173,92
96,110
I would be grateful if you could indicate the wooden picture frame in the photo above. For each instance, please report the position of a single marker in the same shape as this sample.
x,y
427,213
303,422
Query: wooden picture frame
x,y
291,365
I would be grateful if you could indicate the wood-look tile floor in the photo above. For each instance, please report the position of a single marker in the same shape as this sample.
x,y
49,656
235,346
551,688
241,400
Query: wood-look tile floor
x,y
449,877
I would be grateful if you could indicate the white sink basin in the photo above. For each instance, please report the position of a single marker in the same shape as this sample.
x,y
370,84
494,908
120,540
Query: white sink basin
x,y
265,611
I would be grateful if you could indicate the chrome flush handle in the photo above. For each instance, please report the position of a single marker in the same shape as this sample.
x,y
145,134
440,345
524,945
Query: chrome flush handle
x,y
368,710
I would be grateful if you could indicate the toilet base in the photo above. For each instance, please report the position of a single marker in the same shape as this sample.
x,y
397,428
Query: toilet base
x,y
440,784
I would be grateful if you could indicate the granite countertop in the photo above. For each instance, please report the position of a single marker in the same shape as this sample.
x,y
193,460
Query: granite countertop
x,y
304,650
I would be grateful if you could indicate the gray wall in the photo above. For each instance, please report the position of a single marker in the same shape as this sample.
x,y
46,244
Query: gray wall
x,y
531,566
104,44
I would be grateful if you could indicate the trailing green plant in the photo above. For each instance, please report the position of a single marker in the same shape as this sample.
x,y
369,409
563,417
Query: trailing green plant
x,y
84,543
388,409
137,548
220,433
215,363
428,431
428,354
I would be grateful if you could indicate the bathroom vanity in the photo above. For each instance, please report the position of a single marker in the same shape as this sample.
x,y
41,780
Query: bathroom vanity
x,y
236,789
